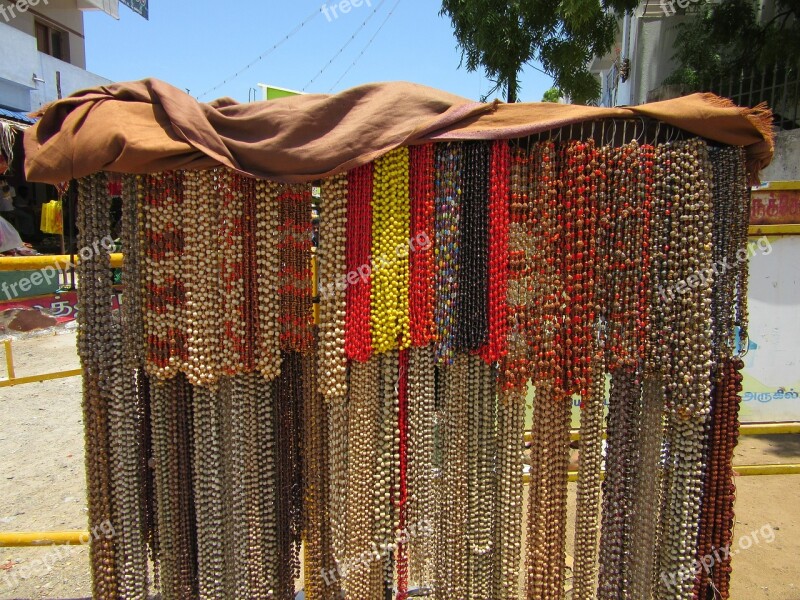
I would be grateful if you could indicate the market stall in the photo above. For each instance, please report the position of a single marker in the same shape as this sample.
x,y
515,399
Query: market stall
x,y
468,253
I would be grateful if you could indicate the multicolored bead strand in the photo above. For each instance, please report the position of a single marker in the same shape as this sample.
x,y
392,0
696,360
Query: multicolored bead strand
x,y
447,244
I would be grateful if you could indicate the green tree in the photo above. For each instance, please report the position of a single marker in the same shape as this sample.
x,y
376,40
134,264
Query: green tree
x,y
552,95
723,39
503,36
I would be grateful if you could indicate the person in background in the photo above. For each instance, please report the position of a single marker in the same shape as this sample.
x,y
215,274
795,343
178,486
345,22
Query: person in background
x,y
24,215
7,195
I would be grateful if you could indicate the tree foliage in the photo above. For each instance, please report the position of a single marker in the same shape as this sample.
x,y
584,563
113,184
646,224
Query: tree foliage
x,y
552,95
723,39
503,36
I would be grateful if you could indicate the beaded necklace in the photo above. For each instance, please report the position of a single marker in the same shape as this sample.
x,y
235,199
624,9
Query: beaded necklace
x,y
471,325
358,338
447,228
421,290
390,239
95,334
499,175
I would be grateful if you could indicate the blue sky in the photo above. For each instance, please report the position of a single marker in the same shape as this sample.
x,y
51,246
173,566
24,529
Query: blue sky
x,y
196,45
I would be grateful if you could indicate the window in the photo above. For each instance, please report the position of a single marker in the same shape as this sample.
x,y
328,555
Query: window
x,y
52,41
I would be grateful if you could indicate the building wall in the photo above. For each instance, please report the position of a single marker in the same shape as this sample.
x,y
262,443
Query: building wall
x,y
785,164
27,76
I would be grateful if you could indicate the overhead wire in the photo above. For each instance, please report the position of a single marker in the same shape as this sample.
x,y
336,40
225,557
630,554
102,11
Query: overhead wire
x,y
364,49
345,45
263,55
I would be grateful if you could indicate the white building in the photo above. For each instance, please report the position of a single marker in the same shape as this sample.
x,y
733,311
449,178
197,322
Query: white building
x,y
43,50
635,70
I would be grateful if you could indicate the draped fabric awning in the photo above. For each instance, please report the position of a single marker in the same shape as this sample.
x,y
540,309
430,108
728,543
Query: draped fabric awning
x,y
148,126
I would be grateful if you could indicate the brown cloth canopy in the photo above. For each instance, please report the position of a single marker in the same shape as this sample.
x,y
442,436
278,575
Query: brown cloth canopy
x,y
148,126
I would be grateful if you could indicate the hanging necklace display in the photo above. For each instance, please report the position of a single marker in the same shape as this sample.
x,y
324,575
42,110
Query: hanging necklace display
x,y
223,428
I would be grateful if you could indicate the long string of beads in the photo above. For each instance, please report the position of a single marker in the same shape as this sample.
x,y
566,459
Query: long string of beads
x,y
421,506
358,337
626,245
208,489
447,240
726,438
688,397
451,547
232,274
202,264
515,363
332,304
331,357
420,288
321,581
588,374
508,527
95,335
387,475
126,416
288,397
498,207
589,484
646,503
547,508
471,325
389,317
267,258
624,408
360,571
481,448
543,287
164,309
578,265
294,275
402,500
719,491
171,422
731,209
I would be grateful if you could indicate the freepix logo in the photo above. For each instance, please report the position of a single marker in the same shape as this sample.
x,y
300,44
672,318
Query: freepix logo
x,y
669,6
19,7
332,11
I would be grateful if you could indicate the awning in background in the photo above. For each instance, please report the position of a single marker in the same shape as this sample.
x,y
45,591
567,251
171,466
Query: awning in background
x,y
148,126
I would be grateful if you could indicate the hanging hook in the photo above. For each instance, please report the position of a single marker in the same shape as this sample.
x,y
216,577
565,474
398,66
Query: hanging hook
x,y
658,130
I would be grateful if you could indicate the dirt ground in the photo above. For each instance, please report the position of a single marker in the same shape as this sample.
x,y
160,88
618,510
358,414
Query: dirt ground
x,y
42,488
